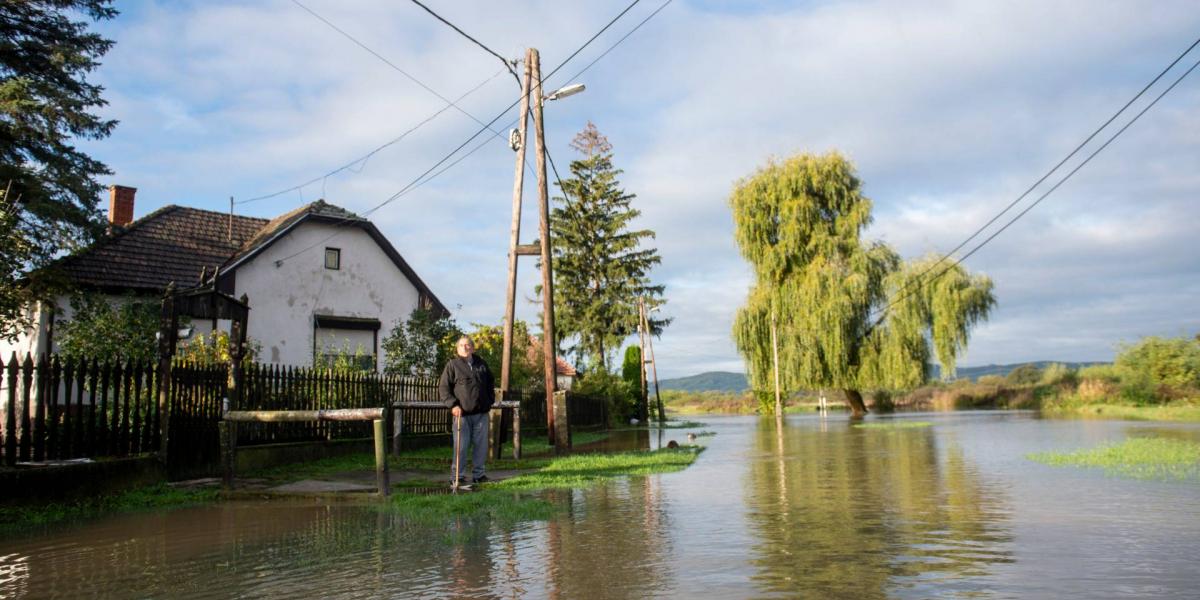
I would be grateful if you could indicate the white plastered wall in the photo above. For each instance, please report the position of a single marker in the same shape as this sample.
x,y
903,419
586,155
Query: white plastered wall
x,y
283,299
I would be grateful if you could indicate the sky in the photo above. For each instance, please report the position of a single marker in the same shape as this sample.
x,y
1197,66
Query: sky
x,y
949,110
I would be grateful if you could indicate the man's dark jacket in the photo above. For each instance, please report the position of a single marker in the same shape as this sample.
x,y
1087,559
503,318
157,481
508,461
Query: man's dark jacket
x,y
468,383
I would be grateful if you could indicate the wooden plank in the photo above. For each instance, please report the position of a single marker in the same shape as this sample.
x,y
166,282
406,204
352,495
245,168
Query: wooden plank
x,y
321,415
26,441
10,414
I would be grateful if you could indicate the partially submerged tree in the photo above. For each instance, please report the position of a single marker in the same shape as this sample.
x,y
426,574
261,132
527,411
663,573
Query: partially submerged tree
x,y
46,103
601,267
849,313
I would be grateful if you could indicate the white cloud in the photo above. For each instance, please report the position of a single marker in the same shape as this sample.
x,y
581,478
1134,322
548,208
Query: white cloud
x,y
950,110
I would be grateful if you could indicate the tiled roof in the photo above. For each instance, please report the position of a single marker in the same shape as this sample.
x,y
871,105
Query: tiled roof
x,y
320,208
176,243
171,244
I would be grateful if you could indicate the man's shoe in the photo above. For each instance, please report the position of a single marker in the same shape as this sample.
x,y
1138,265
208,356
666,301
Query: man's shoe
x,y
481,479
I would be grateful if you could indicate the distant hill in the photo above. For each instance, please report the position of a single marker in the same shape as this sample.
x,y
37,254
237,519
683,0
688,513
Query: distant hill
x,y
976,372
724,381
718,381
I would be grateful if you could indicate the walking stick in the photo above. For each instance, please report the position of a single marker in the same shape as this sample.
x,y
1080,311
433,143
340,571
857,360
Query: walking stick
x,y
457,454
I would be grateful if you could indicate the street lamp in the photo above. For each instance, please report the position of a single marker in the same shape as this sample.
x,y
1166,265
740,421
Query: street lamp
x,y
566,90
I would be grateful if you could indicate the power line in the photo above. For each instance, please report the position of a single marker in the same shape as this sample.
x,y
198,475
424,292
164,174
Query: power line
x,y
418,180
385,60
1066,177
508,64
362,160
1085,142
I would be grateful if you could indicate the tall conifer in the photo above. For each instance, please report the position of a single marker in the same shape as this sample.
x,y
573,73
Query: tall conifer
x,y
601,266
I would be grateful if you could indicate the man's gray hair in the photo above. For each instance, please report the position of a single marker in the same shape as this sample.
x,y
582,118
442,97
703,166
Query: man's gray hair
x,y
464,337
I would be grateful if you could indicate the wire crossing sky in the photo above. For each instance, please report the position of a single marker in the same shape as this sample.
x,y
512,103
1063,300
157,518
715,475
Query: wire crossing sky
x,y
948,111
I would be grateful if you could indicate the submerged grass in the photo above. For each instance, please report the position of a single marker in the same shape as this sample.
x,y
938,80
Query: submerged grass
x,y
1139,458
160,496
893,425
1165,412
524,497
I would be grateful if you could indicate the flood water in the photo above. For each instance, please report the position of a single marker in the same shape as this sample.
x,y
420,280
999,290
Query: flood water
x,y
822,510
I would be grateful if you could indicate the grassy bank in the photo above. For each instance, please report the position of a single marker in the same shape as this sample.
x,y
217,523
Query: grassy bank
x,y
525,497
155,497
1140,458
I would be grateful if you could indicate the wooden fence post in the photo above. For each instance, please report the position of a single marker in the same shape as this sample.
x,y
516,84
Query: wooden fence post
x,y
168,329
228,434
381,467
562,428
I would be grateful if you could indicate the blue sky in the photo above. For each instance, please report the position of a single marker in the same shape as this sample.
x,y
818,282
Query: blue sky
x,y
949,109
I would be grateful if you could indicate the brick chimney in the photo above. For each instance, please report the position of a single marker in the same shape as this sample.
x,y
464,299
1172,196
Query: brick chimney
x,y
120,205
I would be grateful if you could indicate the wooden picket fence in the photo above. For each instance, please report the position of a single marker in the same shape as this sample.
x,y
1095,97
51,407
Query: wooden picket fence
x,y
57,409
62,409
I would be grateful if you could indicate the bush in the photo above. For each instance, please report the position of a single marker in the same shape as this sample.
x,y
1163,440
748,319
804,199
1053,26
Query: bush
x,y
1104,373
1163,361
995,380
1024,375
621,397
1059,374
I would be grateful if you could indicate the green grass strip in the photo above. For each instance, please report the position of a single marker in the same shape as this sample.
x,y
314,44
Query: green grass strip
x,y
155,497
887,425
1138,458
523,498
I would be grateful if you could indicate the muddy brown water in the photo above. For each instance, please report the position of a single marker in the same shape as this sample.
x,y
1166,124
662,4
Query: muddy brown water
x,y
824,510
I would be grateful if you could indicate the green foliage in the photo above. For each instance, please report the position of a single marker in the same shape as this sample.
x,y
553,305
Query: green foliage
x,y
1024,375
345,360
101,329
1058,374
213,347
421,345
622,396
1139,458
1161,361
631,366
601,267
1107,373
799,223
154,497
16,253
46,105
990,380
527,356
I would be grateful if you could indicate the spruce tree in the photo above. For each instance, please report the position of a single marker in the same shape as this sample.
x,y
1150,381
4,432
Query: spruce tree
x,y
46,103
601,266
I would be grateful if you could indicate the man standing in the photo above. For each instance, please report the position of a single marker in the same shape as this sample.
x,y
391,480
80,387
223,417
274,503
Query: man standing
x,y
467,389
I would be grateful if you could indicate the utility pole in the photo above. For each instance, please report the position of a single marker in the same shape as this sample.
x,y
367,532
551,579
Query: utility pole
x,y
644,398
561,442
514,250
645,324
775,354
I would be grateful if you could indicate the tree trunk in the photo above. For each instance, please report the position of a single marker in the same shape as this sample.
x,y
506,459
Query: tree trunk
x,y
858,408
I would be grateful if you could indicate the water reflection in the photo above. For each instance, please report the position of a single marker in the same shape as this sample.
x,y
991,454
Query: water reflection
x,y
843,512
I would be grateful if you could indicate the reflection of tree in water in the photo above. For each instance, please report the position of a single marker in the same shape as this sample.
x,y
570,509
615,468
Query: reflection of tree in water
x,y
855,513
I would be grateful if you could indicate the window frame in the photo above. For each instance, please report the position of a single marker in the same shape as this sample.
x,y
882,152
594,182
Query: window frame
x,y
336,253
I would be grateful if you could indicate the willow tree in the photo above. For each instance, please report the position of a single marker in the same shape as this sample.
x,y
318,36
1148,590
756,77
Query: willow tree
x,y
849,314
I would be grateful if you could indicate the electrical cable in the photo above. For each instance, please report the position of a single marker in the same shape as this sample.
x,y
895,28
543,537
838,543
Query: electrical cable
x,y
1085,142
507,63
385,60
1066,177
418,181
363,159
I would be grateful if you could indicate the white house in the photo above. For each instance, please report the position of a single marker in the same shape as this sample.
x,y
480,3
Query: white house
x,y
319,279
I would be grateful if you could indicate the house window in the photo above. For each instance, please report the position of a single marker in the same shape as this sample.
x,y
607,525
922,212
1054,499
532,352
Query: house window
x,y
333,258
350,342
